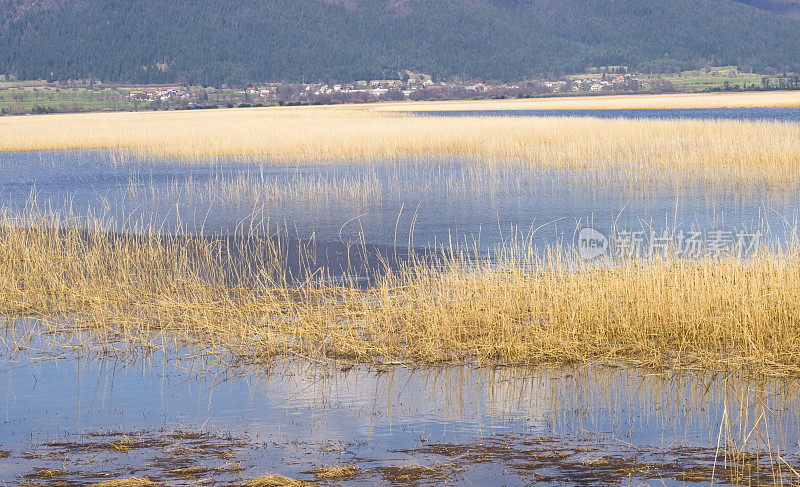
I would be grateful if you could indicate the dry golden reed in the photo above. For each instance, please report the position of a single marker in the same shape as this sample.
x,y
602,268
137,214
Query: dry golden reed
x,y
128,482
255,189
640,150
770,99
121,293
335,472
275,481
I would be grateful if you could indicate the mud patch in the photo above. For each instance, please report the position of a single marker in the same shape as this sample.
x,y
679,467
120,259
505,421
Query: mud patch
x,y
138,459
555,460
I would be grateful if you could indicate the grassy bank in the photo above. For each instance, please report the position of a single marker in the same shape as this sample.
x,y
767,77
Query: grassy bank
x,y
121,293
639,150
41,97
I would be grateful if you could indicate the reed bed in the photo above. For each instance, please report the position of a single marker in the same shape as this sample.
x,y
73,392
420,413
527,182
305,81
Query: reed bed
x,y
434,178
772,99
256,188
638,150
360,187
112,292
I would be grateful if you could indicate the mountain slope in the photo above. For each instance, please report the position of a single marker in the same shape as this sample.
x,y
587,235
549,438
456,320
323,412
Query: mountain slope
x,y
210,42
788,8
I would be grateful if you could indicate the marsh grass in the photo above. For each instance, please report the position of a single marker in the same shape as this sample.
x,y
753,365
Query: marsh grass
x,y
434,178
438,472
118,292
275,481
127,482
785,99
335,472
638,151
253,188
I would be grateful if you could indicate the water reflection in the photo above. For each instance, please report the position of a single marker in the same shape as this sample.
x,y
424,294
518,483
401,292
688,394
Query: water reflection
x,y
290,418
407,204
398,425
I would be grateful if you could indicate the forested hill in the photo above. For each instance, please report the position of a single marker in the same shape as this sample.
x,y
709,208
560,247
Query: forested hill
x,y
213,42
789,8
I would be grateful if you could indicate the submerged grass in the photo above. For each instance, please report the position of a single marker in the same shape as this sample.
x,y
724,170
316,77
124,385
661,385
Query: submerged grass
x,y
256,188
114,292
639,150
335,472
275,481
129,482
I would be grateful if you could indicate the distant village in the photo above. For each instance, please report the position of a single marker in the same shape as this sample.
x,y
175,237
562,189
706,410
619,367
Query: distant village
x,y
19,97
164,94
415,86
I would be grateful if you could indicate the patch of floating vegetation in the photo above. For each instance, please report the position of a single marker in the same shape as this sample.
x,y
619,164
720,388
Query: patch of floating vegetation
x,y
275,481
335,472
552,460
168,457
537,460
534,459
447,472
123,482
129,482
46,473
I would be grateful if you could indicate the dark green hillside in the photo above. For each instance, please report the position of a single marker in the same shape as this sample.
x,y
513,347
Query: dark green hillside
x,y
212,42
789,8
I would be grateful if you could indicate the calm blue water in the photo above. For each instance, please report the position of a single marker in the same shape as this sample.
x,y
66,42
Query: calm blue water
x,y
292,418
489,423
748,114
418,204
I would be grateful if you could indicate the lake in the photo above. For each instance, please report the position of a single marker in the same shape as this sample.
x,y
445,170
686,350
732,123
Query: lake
x,y
181,419
391,207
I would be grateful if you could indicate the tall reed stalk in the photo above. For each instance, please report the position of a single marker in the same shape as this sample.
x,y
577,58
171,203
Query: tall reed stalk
x,y
691,150
232,296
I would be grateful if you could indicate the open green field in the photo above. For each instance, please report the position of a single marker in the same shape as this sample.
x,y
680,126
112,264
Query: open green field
x,y
24,97
39,96
722,78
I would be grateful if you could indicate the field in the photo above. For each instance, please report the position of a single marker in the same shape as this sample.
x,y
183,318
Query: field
x,y
18,98
239,297
41,97
717,78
